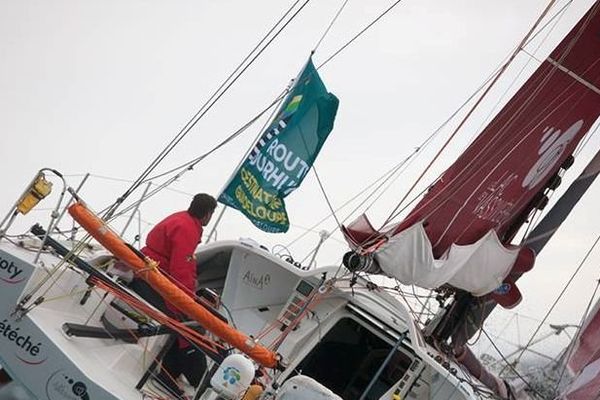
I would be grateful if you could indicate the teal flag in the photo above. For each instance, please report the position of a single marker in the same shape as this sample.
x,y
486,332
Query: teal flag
x,y
284,154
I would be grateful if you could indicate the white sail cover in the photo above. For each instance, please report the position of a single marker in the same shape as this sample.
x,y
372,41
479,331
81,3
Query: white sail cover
x,y
302,387
478,268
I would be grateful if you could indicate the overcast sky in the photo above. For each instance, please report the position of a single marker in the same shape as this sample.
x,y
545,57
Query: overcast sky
x,y
101,87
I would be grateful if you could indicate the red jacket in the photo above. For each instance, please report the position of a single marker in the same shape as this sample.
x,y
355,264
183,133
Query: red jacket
x,y
172,242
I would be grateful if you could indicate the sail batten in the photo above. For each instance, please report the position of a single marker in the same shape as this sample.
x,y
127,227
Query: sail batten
x,y
573,75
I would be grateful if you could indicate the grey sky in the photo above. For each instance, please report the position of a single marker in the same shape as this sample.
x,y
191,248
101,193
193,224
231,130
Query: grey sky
x,y
101,87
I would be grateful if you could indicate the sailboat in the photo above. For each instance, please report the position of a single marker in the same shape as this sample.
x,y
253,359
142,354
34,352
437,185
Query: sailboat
x,y
72,330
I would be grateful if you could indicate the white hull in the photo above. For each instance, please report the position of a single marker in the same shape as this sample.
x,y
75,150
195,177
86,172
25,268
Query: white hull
x,y
255,287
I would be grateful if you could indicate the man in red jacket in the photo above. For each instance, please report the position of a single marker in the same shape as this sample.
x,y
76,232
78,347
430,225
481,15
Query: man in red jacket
x,y
172,242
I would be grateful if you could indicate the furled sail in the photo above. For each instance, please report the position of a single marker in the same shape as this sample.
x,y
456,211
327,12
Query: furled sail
x,y
493,186
408,256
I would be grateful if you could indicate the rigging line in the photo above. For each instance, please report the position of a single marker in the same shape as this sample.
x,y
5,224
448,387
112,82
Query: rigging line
x,y
208,105
589,252
556,18
424,305
501,332
505,149
358,34
337,221
256,142
403,295
512,118
116,179
514,370
187,125
415,198
477,102
571,347
190,164
384,177
330,25
237,77
446,122
409,160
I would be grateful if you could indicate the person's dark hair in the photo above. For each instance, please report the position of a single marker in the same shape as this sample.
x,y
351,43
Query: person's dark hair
x,y
201,205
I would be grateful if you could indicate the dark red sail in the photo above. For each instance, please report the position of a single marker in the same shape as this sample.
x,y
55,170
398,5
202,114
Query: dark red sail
x,y
494,181
489,191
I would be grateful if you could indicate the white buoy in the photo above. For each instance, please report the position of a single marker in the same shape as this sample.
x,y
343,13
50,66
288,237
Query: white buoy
x,y
233,377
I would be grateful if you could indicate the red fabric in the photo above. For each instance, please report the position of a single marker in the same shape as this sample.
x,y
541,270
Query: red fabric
x,y
493,183
172,242
587,345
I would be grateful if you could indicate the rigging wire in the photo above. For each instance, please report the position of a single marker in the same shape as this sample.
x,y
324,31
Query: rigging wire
x,y
326,197
409,160
229,81
330,25
386,176
362,31
224,87
390,175
571,347
514,370
394,215
506,146
477,102
192,163
556,19
334,19
188,166
562,292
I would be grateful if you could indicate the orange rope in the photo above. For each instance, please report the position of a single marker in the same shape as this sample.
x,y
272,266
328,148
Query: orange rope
x,y
312,303
160,317
173,324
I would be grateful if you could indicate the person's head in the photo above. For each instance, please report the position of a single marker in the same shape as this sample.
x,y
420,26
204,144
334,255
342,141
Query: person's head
x,y
202,207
